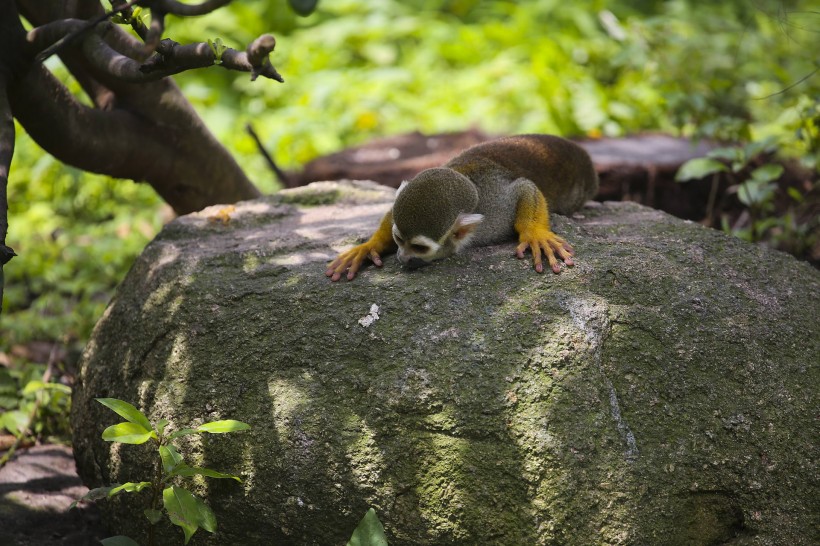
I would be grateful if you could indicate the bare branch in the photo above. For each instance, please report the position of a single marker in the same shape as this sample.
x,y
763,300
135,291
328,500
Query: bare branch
x,y
257,57
280,174
48,38
172,58
155,31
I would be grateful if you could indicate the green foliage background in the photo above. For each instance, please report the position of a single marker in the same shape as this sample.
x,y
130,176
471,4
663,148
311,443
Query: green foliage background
x,y
358,69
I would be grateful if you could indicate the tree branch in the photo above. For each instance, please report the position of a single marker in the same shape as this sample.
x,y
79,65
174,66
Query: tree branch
x,y
175,153
155,31
76,31
170,58
11,62
6,153
145,130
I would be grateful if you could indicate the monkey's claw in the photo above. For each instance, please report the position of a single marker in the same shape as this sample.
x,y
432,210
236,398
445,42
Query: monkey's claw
x,y
351,261
549,244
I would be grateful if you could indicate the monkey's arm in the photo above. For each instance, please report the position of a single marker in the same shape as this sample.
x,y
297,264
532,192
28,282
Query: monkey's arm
x,y
351,260
532,222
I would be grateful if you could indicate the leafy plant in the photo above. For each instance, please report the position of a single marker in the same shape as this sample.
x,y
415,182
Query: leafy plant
x,y
31,405
182,507
756,189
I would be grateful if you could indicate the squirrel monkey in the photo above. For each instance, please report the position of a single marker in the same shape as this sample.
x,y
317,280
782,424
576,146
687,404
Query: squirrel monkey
x,y
485,195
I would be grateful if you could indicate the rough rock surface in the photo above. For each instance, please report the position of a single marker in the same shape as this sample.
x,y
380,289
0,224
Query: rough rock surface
x,y
663,391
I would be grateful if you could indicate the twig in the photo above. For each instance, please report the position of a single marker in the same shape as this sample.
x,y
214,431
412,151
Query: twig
x,y
792,86
280,174
70,37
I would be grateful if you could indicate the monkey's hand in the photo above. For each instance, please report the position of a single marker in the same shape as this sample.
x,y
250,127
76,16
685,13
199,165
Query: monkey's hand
x,y
352,260
532,222
542,240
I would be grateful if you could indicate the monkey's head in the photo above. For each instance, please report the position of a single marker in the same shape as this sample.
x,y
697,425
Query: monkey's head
x,y
433,216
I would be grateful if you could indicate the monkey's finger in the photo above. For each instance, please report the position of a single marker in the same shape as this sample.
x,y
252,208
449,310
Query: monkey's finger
x,y
338,272
336,268
554,265
560,248
331,268
519,250
375,258
536,256
566,256
352,270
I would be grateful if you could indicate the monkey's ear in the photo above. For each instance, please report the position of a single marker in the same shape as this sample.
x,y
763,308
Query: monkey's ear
x,y
465,226
401,187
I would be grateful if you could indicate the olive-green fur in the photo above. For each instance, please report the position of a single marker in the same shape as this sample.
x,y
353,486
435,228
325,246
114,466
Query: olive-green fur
x,y
430,203
491,179
561,169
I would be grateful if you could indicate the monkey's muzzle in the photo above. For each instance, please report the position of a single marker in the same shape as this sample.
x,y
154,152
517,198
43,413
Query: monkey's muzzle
x,y
414,263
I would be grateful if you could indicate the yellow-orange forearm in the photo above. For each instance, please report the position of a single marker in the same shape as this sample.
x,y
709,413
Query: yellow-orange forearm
x,y
532,222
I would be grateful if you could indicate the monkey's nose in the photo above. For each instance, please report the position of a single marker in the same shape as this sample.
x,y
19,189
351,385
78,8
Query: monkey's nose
x,y
415,263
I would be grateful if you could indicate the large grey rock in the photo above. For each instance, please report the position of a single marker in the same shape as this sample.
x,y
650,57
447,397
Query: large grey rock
x,y
663,391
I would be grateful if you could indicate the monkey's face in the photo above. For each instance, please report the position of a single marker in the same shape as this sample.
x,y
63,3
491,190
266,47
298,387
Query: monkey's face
x,y
420,250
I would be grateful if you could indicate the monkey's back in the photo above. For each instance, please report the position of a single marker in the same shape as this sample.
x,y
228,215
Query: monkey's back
x,y
561,169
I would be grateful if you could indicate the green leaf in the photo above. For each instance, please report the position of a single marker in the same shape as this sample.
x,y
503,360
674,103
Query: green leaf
x,y
698,168
303,7
727,154
369,532
170,458
181,509
37,385
129,487
746,193
753,193
14,421
795,194
767,173
207,519
33,386
128,433
93,495
119,540
188,471
153,515
182,432
161,424
753,149
187,511
220,427
126,411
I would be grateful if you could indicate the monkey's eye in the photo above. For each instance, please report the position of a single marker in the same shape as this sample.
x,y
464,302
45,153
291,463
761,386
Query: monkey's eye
x,y
419,249
398,239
